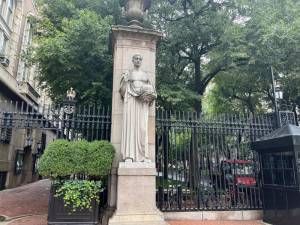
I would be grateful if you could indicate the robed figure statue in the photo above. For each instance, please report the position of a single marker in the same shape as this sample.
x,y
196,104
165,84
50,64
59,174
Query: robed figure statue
x,y
138,94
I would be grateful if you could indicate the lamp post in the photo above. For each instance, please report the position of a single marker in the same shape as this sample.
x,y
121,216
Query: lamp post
x,y
278,94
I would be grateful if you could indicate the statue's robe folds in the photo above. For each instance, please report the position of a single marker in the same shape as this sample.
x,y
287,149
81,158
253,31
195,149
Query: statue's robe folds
x,y
134,143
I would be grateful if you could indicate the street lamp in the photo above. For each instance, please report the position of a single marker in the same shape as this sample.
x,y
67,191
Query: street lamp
x,y
275,98
278,90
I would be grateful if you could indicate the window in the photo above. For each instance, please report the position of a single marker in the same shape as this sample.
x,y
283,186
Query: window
x,y
279,169
6,127
2,180
35,161
24,73
28,138
3,42
27,34
19,161
1,6
10,6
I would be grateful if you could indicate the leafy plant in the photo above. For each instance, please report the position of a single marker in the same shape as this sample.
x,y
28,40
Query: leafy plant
x,y
79,194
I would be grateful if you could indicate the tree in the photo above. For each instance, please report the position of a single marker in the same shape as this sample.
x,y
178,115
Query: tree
x,y
71,48
236,93
200,40
271,39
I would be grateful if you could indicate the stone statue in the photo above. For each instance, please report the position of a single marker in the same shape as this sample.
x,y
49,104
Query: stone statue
x,y
138,94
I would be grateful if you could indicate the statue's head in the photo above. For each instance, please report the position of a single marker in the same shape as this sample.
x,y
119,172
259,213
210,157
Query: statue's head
x,y
137,60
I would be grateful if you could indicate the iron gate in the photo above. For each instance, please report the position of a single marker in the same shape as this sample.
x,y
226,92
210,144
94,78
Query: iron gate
x,y
205,163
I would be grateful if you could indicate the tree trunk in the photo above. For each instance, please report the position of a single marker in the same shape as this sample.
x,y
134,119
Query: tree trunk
x,y
198,85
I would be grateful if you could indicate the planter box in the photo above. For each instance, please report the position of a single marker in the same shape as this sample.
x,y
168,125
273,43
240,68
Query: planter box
x,y
58,214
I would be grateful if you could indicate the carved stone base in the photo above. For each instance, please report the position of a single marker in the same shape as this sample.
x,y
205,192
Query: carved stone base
x,y
136,203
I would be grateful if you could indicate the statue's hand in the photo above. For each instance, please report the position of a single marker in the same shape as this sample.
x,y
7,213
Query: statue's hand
x,y
147,99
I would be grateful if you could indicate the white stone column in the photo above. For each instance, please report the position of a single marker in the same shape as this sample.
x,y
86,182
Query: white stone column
x,y
132,185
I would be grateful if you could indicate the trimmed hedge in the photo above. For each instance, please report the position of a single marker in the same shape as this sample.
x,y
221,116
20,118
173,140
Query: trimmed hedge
x,y
63,158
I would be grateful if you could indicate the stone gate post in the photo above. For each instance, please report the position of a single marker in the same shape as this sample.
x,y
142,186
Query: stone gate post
x,y
132,190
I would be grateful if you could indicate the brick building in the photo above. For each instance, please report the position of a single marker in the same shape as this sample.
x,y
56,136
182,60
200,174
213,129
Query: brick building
x,y
18,147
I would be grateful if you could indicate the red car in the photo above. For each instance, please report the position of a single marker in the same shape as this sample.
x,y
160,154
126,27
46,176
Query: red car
x,y
238,177
238,172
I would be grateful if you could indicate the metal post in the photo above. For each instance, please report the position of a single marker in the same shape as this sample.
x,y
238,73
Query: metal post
x,y
275,98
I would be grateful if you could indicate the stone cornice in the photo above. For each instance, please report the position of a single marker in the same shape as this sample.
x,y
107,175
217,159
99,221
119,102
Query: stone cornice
x,y
136,34
135,31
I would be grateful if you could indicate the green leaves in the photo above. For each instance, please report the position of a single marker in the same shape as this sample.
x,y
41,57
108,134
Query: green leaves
x,y
63,158
58,160
200,41
71,49
77,160
78,194
269,37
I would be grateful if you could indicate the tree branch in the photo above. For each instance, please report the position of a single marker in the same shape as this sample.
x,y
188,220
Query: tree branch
x,y
197,13
208,77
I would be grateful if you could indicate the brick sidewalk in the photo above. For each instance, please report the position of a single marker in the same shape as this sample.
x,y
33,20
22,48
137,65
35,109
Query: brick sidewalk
x,y
30,204
24,200
215,222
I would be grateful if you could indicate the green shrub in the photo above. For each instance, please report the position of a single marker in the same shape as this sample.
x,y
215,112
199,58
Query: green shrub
x,y
80,149
99,158
58,160
63,158
77,160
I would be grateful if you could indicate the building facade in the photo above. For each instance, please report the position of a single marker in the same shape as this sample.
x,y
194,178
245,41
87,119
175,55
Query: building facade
x,y
18,147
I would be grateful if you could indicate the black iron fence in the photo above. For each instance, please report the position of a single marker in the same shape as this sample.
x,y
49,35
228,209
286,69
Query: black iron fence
x,y
64,121
205,163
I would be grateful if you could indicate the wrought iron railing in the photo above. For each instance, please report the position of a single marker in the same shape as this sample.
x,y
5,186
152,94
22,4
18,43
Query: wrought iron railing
x,y
64,121
205,163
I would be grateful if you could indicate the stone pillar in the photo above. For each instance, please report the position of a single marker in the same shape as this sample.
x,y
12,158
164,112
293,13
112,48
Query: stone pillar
x,y
132,185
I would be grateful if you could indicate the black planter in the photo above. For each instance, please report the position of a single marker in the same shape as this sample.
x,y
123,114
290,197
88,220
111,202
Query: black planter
x,y
61,215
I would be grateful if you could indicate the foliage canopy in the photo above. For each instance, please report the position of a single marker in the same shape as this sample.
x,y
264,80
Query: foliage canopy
x,y
216,53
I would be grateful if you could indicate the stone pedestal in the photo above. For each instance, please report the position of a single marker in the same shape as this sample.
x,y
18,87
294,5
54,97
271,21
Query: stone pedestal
x,y
136,203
